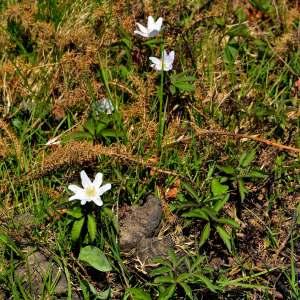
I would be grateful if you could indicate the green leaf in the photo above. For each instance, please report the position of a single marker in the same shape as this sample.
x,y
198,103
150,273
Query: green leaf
x,y
103,295
167,293
196,213
210,212
207,282
217,188
75,212
224,236
76,229
256,174
190,190
246,158
90,126
238,30
99,127
138,294
160,271
164,279
92,227
184,86
230,222
230,53
298,214
242,189
172,89
183,82
227,169
6,240
187,289
204,234
220,203
79,135
112,133
95,258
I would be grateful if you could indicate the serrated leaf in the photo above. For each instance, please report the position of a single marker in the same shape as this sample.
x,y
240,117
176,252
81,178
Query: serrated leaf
x,y
242,189
230,53
196,213
95,258
99,127
256,174
207,282
190,190
164,279
230,222
210,212
227,169
183,82
90,126
184,86
159,271
220,203
217,188
167,293
187,289
76,229
224,236
238,30
77,136
92,227
246,158
111,133
204,234
138,294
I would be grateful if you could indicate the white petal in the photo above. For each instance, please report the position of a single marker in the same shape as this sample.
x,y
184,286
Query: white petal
x,y
150,23
75,189
158,23
77,196
142,28
83,201
156,63
155,60
156,67
98,180
171,57
153,33
104,189
85,181
168,67
98,201
141,33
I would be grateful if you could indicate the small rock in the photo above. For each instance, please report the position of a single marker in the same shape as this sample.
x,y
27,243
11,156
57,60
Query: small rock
x,y
140,222
138,228
149,248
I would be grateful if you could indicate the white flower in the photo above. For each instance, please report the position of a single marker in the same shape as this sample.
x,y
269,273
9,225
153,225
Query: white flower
x,y
153,28
106,106
91,191
165,63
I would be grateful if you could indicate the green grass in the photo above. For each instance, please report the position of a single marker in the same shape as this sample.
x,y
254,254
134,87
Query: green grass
x,y
231,201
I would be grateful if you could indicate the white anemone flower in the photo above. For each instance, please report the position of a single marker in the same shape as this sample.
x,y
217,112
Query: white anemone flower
x,y
165,63
91,191
106,106
153,28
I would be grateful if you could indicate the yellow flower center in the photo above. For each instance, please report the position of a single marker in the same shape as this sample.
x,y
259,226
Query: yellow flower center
x,y
90,191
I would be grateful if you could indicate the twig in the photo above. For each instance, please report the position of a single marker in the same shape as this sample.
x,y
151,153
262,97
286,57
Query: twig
x,y
200,131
